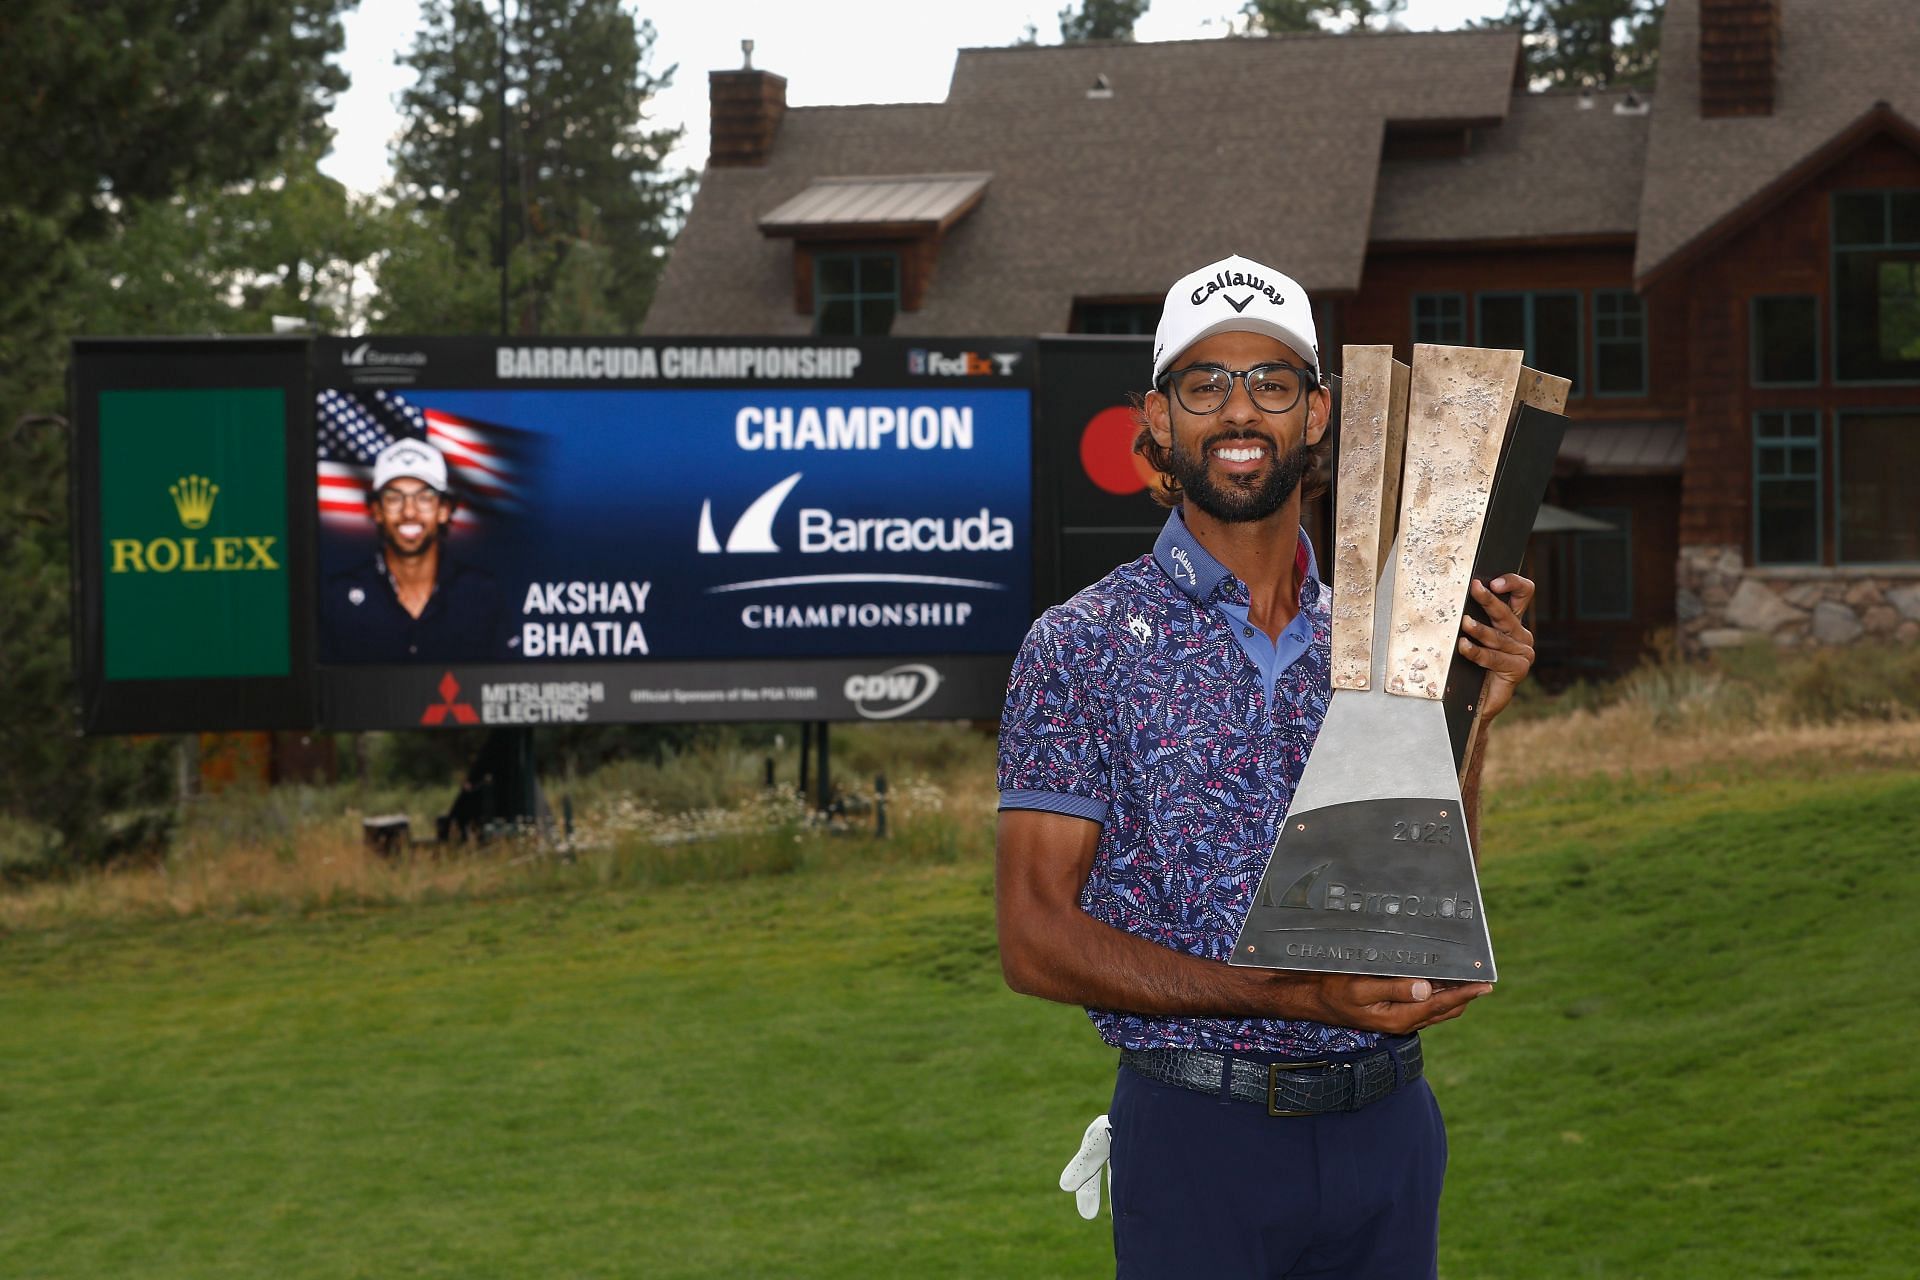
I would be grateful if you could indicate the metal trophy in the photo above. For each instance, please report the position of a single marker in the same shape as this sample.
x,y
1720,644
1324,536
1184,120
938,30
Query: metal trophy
x,y
1441,472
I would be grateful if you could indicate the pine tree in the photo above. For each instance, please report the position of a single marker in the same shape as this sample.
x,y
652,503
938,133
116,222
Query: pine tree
x,y
590,206
125,120
1278,17
1100,20
1587,42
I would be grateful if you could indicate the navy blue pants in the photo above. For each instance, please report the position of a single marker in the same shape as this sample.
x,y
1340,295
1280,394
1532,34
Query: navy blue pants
x,y
1208,1186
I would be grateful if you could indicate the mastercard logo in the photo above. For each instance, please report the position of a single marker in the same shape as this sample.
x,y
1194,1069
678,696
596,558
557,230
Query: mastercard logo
x,y
1106,452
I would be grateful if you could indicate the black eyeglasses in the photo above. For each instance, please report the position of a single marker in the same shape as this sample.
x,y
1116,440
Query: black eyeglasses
x,y
1204,388
426,500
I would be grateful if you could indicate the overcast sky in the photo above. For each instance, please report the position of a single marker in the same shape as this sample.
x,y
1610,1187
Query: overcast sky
x,y
830,51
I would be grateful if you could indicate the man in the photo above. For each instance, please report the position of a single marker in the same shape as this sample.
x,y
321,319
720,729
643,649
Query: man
x,y
1156,726
412,602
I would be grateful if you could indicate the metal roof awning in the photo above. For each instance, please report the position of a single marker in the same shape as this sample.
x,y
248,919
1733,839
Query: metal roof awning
x,y
1554,519
891,205
1626,448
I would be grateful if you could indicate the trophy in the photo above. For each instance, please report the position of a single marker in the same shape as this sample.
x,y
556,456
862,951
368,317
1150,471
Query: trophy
x,y
1441,472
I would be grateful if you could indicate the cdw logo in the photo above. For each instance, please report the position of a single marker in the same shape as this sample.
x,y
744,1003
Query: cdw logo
x,y
753,531
893,692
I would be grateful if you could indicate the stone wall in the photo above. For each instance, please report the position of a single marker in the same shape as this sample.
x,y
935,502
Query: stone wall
x,y
1722,602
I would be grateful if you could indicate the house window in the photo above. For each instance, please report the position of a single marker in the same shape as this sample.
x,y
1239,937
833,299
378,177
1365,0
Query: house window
x,y
1878,484
1603,567
1786,341
1116,317
1619,343
1786,487
1545,325
855,294
1876,286
1440,317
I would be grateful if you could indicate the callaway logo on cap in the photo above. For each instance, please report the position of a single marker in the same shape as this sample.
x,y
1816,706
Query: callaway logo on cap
x,y
414,458
1234,295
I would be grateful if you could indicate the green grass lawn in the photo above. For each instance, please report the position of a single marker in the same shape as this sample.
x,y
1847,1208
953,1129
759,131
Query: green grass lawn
x,y
1699,1063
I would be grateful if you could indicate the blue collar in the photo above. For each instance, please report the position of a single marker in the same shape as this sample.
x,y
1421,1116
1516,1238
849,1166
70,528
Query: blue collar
x,y
1194,570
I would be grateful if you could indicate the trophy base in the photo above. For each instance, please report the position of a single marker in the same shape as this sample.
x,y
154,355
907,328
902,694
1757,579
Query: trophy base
x,y
1384,887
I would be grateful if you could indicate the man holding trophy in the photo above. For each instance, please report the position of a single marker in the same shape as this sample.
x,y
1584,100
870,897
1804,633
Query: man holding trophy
x,y
1265,1121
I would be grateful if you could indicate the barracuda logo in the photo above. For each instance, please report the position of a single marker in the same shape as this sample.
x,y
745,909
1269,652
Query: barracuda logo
x,y
821,530
753,532
1353,898
1298,895
364,355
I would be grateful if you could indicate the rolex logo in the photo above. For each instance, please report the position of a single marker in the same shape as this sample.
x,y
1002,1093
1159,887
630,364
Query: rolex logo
x,y
193,498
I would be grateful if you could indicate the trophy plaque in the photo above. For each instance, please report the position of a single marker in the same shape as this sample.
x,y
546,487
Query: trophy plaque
x,y
1442,468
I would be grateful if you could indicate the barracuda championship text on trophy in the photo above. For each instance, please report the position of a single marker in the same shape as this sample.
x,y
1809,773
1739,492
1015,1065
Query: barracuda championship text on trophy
x,y
1441,470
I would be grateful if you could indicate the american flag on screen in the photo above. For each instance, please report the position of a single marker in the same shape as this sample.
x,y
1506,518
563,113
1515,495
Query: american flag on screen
x,y
487,463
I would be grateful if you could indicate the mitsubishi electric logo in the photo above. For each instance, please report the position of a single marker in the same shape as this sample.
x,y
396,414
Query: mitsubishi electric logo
x,y
450,706
893,692
753,531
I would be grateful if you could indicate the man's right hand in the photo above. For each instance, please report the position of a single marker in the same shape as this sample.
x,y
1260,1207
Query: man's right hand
x,y
1396,1006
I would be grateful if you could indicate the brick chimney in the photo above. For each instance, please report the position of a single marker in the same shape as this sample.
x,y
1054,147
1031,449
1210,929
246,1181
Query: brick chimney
x,y
1739,51
746,107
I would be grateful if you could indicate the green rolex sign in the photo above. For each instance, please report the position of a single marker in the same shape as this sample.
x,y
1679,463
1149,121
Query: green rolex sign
x,y
193,523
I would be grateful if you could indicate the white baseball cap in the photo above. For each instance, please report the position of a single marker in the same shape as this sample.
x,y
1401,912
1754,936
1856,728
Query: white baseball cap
x,y
412,458
1234,295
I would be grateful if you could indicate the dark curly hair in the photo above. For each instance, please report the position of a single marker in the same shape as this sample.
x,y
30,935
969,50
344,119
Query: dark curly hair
x,y
1167,491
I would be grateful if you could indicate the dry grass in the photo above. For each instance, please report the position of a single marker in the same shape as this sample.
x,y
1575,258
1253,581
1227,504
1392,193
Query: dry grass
x,y
299,850
318,869
1636,739
704,815
1755,710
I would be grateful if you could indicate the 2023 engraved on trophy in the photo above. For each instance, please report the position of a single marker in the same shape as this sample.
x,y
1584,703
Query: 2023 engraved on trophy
x,y
1442,468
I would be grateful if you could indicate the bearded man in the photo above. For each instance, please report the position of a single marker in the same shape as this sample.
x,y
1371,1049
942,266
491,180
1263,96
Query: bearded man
x,y
412,601
1156,726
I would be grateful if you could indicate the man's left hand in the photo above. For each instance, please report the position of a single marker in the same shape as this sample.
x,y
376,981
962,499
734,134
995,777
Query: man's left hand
x,y
1502,644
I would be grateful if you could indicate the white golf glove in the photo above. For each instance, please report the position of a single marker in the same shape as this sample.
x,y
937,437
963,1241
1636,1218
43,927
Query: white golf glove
x,y
1082,1174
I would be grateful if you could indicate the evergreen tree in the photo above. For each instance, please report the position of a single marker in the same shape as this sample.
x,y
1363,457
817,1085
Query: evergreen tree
x,y
590,207
1278,17
1100,20
1587,42
114,104
125,122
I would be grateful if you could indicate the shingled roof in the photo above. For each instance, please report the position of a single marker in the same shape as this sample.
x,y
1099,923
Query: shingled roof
x,y
1554,168
1266,147
1838,59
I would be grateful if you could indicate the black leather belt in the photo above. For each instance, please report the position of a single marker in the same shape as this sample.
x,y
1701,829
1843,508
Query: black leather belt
x,y
1284,1088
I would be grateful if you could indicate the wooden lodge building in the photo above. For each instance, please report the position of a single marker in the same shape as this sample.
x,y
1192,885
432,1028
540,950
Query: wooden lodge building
x,y
1727,267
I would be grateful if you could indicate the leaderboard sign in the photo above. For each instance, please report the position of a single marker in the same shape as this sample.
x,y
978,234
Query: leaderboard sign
x,y
693,529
